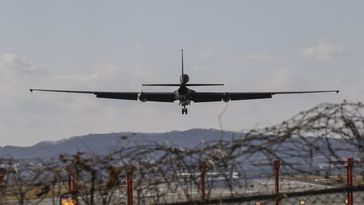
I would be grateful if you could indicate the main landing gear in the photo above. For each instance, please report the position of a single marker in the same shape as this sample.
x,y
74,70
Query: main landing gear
x,y
184,111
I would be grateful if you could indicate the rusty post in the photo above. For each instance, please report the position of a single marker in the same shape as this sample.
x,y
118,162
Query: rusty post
x,y
72,172
349,180
276,166
3,173
71,183
202,180
129,169
1,180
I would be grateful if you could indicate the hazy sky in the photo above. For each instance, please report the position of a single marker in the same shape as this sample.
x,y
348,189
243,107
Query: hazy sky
x,y
118,45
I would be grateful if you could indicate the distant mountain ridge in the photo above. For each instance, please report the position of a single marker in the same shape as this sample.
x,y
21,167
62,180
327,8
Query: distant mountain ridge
x,y
107,143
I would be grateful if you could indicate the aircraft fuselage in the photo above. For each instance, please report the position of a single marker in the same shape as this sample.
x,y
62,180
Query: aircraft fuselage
x,y
183,94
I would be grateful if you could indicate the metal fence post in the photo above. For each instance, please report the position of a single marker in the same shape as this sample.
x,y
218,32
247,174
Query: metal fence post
x,y
72,172
129,169
202,180
3,173
349,180
276,166
71,183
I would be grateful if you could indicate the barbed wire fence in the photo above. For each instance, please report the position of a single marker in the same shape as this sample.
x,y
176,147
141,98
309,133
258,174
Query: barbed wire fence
x,y
311,148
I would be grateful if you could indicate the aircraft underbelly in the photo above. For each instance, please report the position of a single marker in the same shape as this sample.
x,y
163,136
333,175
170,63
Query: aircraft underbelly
x,y
184,99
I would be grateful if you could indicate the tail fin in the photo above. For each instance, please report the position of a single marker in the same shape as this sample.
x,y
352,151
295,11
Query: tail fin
x,y
182,62
184,80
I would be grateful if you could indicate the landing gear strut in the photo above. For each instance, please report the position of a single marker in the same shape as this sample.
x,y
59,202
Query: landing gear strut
x,y
184,110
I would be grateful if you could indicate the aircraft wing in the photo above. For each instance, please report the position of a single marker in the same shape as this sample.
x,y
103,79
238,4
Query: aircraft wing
x,y
112,95
143,96
227,96
157,96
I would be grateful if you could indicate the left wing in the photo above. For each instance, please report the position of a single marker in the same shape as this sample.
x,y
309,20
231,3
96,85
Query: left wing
x,y
112,95
226,96
142,96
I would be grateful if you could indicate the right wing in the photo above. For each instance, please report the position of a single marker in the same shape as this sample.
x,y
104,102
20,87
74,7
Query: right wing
x,y
217,96
143,96
232,96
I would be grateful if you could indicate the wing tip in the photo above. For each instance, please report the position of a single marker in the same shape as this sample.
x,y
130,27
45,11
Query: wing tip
x,y
337,91
31,90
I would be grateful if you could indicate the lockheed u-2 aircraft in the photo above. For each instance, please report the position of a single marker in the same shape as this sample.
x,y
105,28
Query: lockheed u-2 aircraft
x,y
183,94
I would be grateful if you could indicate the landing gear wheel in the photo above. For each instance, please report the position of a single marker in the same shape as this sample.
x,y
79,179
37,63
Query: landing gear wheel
x,y
184,111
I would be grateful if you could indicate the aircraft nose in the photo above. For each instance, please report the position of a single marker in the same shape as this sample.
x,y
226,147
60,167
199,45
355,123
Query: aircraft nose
x,y
184,78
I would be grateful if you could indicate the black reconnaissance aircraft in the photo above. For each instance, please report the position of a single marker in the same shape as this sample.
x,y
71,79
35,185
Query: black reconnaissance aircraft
x,y
183,94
